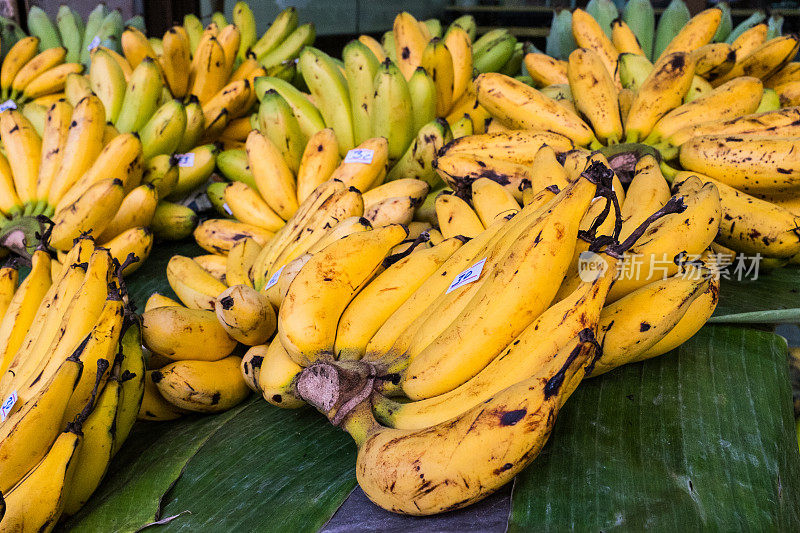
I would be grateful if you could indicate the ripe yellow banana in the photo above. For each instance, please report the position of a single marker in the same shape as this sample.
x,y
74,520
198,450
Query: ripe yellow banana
x,y
50,81
623,38
246,205
696,33
131,375
595,94
765,60
180,333
137,241
365,175
213,264
175,61
154,407
662,91
195,287
54,139
275,180
137,210
492,201
714,60
647,193
90,213
17,57
588,34
135,46
39,64
519,147
410,43
23,147
522,107
456,217
246,315
202,386
438,63
241,259
320,159
779,122
277,376
750,40
459,44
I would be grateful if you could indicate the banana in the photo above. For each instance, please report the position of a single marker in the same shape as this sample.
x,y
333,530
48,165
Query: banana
x,y
120,159
40,64
233,100
23,147
154,407
202,386
275,290
162,133
463,127
522,107
22,308
689,232
50,81
459,171
194,168
588,34
492,201
288,50
17,57
624,39
251,366
438,63
365,175
320,159
272,175
213,264
751,225
672,20
714,60
392,110
109,34
76,88
141,97
740,96
328,86
360,67
40,25
413,188
595,94
229,39
456,217
545,70
9,280
246,315
697,32
417,162
157,300
195,125
180,333
367,312
466,23
134,242
395,210
240,262
502,297
137,210
175,61
194,30
633,70
410,43
277,376
278,124
131,377
374,46
647,193
307,114
459,44
95,452
771,168
246,205
307,327
36,503
779,122
209,70
173,221
91,212
195,287
662,91
136,47
219,235
36,423
108,83
748,35
284,24
765,60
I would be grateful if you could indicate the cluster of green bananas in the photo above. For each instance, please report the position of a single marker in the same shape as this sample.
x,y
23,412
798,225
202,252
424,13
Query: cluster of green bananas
x,y
708,108
72,379
420,344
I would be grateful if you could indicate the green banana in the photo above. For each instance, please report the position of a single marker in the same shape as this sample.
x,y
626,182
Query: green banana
x,y
672,20
234,165
774,26
277,122
290,47
423,97
194,30
40,25
417,162
434,27
468,24
725,23
756,18
246,22
141,97
163,132
216,195
633,70
284,24
195,125
392,109
389,46
110,31
308,116
514,64
495,54
93,23
360,68
137,21
70,33
560,41
173,222
770,101
329,88
218,18
603,11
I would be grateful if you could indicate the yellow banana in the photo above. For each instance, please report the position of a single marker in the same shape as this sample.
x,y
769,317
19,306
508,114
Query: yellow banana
x,y
320,159
241,258
202,386
134,243
90,213
696,33
17,57
647,193
246,205
135,46
50,81
492,201
54,140
175,61
131,374
154,407
713,60
277,376
180,333
623,38
219,235
409,43
438,63
459,44
209,70
42,62
595,94
272,176
456,217
246,315
213,264
196,288
365,175
749,41
765,60
779,122
23,147
588,34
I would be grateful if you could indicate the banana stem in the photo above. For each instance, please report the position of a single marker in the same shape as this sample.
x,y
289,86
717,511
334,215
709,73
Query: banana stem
x,y
668,171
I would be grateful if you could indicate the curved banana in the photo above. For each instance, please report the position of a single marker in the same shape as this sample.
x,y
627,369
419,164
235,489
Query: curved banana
x,y
90,213
23,148
275,180
277,376
131,376
595,94
195,287
202,386
365,175
246,315
320,159
154,407
180,333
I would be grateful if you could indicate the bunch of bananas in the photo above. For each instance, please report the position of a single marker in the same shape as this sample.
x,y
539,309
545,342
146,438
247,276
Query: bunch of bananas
x,y
705,107
82,174
72,381
426,344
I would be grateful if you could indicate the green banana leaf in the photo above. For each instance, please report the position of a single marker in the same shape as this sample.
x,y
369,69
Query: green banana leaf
x,y
699,439
772,298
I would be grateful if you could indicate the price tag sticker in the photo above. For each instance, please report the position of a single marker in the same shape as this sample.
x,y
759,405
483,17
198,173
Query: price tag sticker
x,y
275,277
185,160
468,276
94,44
8,104
227,209
359,155
7,406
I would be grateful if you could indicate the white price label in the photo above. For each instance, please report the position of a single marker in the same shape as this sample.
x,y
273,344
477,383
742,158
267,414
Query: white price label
x,y
185,160
94,44
468,276
8,104
7,406
275,277
359,155
227,209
